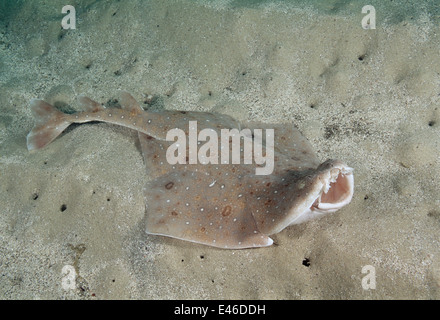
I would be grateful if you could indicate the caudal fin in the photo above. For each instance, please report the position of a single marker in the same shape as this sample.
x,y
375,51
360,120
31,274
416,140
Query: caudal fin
x,y
49,124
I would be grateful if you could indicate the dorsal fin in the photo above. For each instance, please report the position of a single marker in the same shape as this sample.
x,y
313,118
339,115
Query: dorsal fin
x,y
89,105
129,103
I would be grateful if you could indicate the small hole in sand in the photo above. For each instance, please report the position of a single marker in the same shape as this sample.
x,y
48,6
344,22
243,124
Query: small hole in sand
x,y
431,123
306,262
35,196
63,208
169,185
434,214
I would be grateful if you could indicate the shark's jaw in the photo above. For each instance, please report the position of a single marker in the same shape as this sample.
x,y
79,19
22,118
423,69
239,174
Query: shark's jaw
x,y
334,187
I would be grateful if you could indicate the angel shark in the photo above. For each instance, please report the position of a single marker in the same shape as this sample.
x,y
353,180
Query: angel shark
x,y
224,204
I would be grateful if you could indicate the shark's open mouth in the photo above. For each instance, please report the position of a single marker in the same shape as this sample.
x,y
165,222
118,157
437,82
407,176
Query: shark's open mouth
x,y
337,192
331,189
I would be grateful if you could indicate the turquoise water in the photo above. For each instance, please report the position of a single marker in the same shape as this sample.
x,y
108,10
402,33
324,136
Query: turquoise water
x,y
390,11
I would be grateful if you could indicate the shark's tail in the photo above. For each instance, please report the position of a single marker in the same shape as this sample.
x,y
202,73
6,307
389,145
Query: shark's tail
x,y
49,124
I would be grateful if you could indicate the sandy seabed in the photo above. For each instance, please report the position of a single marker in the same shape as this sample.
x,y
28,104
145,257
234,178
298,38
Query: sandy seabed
x,y
368,97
